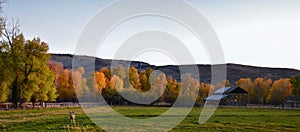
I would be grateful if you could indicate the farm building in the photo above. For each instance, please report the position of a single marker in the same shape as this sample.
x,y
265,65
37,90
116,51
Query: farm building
x,y
232,96
292,102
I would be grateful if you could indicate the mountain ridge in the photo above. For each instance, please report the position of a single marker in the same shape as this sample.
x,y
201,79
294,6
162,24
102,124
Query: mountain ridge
x,y
234,71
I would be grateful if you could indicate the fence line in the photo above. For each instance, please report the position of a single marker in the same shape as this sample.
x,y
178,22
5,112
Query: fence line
x,y
29,105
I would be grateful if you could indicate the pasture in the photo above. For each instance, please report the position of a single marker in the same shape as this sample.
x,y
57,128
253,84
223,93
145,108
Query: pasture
x,y
224,119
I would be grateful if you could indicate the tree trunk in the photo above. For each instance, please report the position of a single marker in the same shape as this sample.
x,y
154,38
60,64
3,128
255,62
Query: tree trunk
x,y
33,104
15,93
22,104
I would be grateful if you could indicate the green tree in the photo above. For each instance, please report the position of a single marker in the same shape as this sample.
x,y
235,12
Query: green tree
x,y
47,90
26,61
5,78
26,72
295,81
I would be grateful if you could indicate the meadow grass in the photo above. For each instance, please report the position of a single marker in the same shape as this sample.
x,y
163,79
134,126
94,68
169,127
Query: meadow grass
x,y
224,119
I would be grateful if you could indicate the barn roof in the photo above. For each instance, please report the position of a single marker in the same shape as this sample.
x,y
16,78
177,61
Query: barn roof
x,y
292,98
216,97
222,90
228,90
225,91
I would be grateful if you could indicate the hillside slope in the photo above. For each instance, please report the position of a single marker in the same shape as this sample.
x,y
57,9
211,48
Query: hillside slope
x,y
234,71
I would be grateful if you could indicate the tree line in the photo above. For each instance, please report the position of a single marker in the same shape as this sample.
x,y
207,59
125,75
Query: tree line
x,y
109,83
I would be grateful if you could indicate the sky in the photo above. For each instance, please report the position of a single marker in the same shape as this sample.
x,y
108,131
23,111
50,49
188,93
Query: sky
x,y
251,32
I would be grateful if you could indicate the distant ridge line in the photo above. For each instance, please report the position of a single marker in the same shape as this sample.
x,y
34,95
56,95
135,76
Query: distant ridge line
x,y
234,71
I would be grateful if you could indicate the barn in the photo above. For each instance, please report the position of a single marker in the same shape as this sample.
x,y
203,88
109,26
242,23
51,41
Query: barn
x,y
292,102
230,96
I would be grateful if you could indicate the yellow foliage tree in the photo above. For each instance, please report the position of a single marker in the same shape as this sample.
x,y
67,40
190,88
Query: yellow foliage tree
x,y
134,78
117,82
279,90
100,80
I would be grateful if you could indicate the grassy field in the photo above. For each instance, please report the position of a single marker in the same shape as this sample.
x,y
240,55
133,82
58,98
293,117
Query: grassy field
x,y
225,119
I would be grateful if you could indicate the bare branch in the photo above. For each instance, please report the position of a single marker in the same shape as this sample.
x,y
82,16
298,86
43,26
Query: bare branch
x,y
1,4
10,30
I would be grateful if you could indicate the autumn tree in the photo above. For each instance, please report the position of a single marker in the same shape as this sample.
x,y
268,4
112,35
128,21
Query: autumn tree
x,y
79,82
244,83
57,68
247,85
93,92
110,93
261,89
118,71
101,80
134,78
144,81
106,72
111,96
189,87
225,83
172,91
258,90
117,82
279,90
205,89
158,83
65,87
148,74
203,93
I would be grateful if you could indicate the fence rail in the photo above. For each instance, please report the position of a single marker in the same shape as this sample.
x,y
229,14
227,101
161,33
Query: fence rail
x,y
29,105
7,106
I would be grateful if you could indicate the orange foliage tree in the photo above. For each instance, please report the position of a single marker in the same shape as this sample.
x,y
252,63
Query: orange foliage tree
x,y
279,90
100,81
65,87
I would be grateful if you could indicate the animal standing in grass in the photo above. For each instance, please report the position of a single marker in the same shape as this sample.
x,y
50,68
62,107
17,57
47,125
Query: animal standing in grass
x,y
72,118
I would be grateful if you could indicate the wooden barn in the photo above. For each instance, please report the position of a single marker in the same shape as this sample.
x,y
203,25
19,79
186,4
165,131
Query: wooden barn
x,y
231,96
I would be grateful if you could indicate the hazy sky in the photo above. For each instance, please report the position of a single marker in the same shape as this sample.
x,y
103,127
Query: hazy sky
x,y
252,32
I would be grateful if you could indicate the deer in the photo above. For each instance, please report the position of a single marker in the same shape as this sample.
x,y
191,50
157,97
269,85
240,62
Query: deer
x,y
72,118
